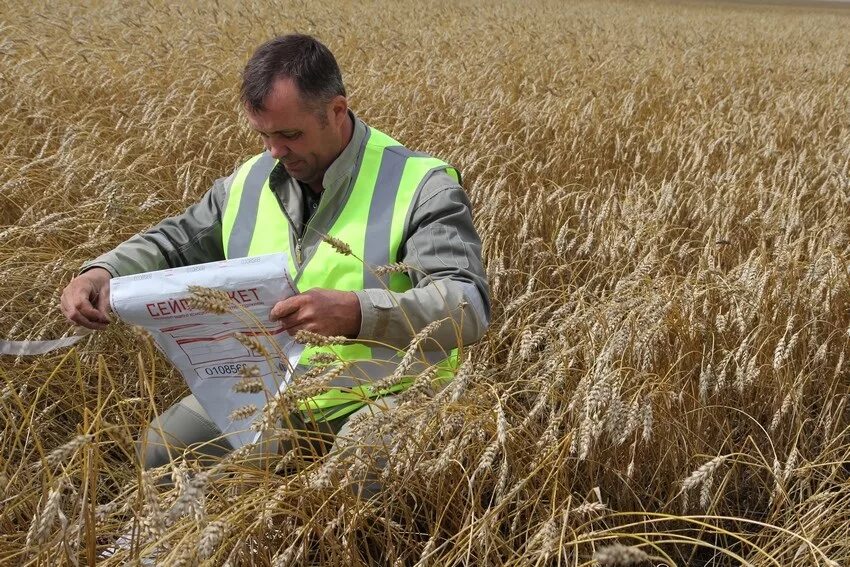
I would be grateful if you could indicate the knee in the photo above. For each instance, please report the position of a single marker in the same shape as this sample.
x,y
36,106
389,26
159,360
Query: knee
x,y
366,450
183,427
152,452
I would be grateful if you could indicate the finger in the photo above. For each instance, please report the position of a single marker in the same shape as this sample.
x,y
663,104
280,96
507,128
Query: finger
x,y
103,304
75,306
285,308
291,321
306,315
63,307
79,319
69,310
88,311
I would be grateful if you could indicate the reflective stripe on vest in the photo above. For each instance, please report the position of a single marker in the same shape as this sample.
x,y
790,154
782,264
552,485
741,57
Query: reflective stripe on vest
x,y
371,221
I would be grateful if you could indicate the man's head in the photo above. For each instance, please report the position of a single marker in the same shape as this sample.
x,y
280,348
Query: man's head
x,y
294,97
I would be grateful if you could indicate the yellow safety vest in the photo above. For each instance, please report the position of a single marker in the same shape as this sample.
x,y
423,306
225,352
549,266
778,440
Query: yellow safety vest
x,y
372,223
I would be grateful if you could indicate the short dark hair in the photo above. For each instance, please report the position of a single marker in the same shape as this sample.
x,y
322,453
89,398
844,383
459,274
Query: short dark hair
x,y
300,57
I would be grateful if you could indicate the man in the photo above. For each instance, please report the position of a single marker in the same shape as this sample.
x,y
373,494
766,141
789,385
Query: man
x,y
325,178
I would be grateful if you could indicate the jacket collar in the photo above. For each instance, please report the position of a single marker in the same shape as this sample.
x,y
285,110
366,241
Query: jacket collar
x,y
338,175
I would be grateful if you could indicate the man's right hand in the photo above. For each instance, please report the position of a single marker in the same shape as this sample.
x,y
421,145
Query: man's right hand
x,y
85,301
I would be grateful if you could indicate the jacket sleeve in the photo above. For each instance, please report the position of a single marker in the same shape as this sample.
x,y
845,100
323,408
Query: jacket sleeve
x,y
192,237
449,281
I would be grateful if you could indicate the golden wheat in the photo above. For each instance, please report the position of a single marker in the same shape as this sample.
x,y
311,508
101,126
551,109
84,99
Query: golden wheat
x,y
661,189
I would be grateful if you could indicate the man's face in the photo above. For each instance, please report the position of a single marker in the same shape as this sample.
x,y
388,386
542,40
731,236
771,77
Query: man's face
x,y
294,133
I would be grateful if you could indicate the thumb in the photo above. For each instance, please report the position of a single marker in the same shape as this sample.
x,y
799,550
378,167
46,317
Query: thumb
x,y
284,308
102,296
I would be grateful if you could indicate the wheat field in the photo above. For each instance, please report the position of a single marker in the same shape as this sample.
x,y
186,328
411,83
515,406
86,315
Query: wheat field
x,y
662,191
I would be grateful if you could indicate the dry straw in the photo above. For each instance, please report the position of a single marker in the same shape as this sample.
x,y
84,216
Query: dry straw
x,y
618,555
315,339
661,202
209,300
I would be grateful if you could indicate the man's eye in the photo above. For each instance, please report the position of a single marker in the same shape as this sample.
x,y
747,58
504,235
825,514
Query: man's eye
x,y
264,136
292,136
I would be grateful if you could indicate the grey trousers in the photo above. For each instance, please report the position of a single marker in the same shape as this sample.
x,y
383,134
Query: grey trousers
x,y
185,430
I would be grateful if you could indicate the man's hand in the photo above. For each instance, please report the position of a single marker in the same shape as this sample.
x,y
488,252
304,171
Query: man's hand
x,y
323,311
85,301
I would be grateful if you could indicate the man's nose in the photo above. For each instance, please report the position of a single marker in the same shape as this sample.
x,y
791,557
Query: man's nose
x,y
278,150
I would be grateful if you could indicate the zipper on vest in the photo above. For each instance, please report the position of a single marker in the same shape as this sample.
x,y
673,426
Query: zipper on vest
x,y
298,250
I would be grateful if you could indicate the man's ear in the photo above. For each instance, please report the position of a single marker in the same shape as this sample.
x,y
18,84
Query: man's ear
x,y
339,108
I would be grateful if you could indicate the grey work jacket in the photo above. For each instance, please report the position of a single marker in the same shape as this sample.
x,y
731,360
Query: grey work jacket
x,y
440,241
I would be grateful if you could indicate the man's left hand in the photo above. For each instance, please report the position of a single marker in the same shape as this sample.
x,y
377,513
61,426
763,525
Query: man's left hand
x,y
323,311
